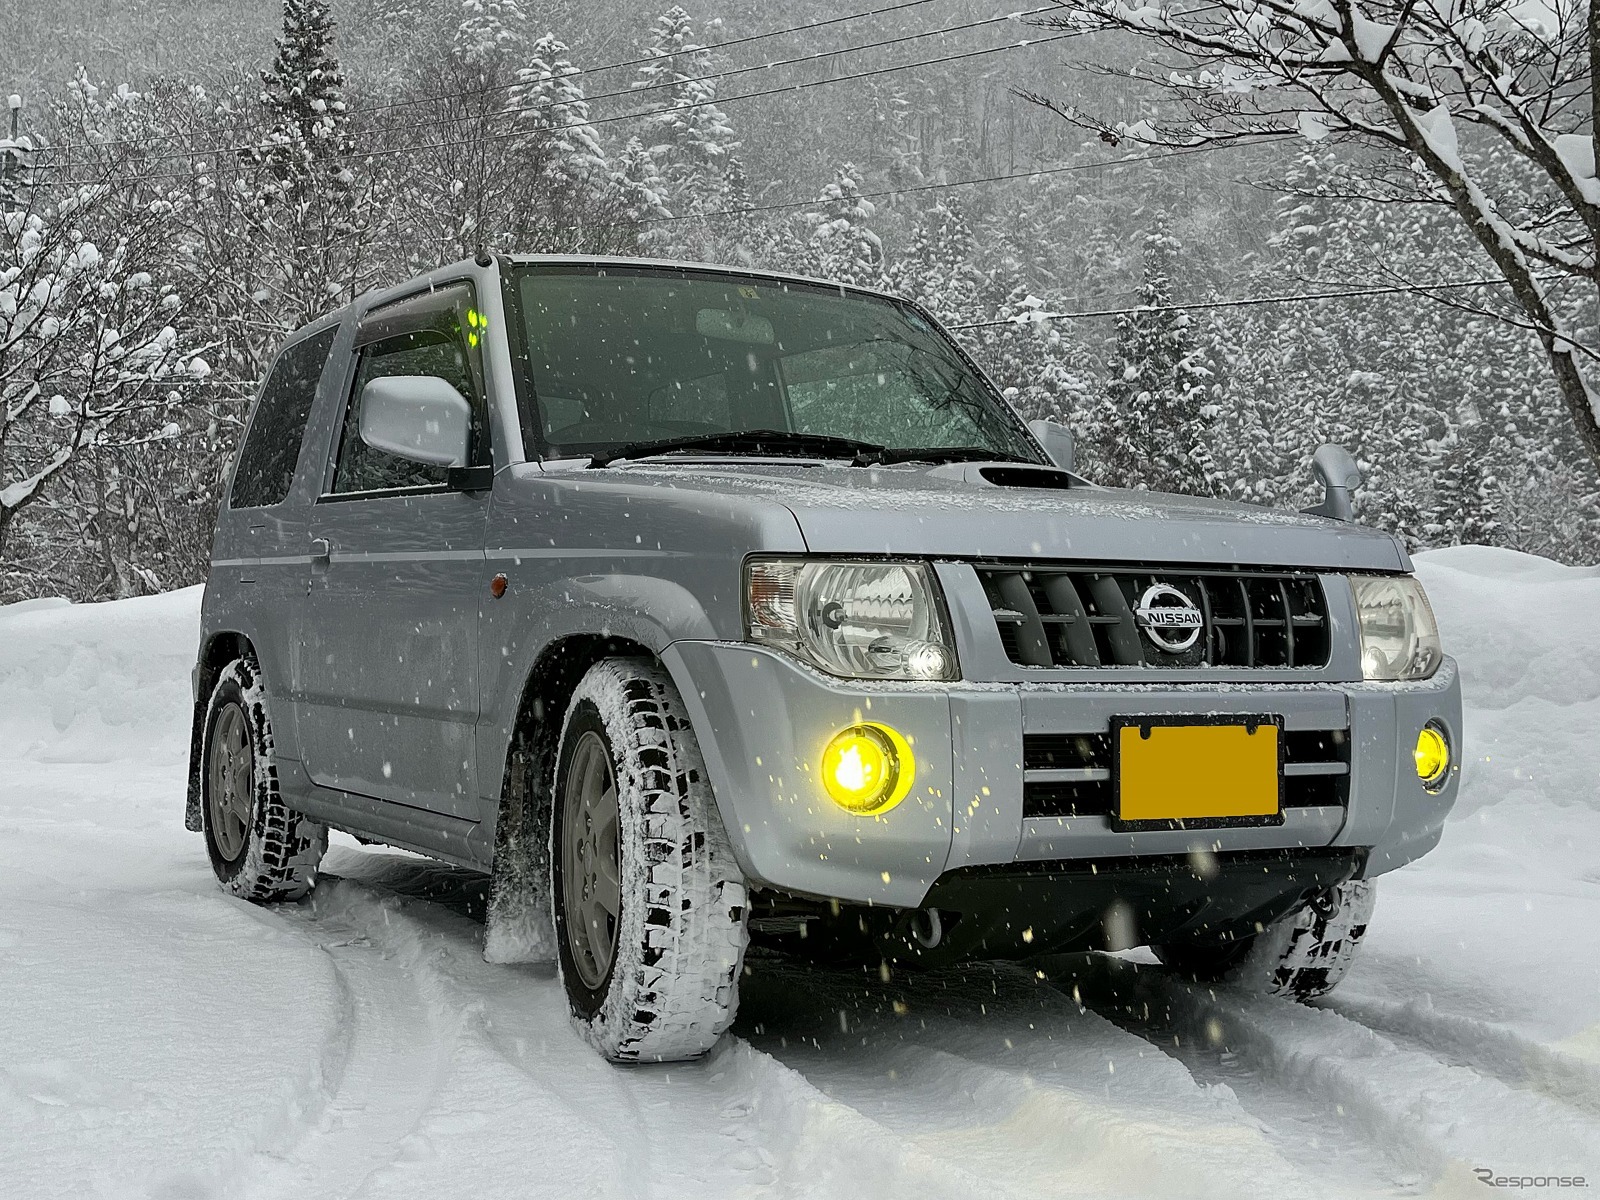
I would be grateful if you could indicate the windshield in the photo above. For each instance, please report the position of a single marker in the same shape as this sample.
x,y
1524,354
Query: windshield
x,y
624,355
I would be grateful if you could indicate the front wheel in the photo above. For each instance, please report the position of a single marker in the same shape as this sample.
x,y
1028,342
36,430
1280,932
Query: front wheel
x,y
1302,956
650,906
260,848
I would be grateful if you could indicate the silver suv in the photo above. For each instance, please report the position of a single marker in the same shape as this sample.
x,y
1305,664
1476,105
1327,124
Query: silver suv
x,y
701,607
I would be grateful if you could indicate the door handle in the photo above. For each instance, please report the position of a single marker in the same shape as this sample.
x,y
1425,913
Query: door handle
x,y
321,552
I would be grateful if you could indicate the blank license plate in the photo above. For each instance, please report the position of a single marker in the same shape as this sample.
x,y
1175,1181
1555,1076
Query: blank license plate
x,y
1198,773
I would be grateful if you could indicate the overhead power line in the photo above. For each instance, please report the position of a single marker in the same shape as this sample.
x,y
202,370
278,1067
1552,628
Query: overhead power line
x,y
782,90
1023,320
652,58
718,76
511,111
600,68
943,185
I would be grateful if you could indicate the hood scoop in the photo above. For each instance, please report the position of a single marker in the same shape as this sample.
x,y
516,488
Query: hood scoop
x,y
1018,475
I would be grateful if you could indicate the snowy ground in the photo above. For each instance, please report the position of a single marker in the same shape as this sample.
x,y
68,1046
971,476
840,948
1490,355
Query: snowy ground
x,y
158,1039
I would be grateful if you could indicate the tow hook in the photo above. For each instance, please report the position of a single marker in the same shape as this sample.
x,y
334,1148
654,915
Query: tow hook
x,y
927,930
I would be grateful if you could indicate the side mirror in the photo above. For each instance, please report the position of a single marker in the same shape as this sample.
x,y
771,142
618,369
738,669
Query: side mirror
x,y
1341,477
420,418
1057,441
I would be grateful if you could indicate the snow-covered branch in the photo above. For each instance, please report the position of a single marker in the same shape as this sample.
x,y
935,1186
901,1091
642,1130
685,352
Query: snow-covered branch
x,y
1410,78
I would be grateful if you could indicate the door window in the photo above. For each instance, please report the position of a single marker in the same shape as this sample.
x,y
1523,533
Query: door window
x,y
439,350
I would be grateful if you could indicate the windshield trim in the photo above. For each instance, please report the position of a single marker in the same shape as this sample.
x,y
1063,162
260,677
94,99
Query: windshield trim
x,y
535,445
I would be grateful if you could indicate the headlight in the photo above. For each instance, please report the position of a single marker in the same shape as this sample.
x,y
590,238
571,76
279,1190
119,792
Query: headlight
x,y
1399,637
861,620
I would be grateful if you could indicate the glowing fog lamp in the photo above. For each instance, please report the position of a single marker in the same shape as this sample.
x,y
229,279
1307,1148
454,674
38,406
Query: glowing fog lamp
x,y
1433,756
867,769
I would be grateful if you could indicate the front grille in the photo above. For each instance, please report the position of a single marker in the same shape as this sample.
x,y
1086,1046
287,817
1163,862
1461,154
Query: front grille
x,y
1069,774
1059,616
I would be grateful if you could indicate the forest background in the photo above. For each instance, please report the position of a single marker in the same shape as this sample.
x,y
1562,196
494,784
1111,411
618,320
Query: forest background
x,y
188,181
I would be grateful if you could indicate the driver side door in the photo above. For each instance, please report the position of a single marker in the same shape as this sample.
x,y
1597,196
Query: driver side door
x,y
388,650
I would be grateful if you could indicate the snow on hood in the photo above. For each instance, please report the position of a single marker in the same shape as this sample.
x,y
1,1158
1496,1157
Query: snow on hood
x,y
952,510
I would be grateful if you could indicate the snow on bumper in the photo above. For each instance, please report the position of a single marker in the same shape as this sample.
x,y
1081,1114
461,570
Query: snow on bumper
x,y
763,720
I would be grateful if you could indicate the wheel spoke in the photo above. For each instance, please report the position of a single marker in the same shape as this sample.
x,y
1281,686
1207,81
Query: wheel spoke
x,y
591,890
608,891
601,936
230,779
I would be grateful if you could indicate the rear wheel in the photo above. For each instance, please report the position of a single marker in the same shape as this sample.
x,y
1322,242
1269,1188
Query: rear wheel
x,y
650,907
260,848
1302,956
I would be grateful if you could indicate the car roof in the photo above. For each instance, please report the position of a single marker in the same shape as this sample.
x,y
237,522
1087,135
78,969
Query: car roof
x,y
673,264
376,296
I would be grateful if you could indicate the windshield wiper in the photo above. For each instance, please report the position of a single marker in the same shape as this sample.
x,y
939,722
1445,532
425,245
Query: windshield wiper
x,y
745,441
882,456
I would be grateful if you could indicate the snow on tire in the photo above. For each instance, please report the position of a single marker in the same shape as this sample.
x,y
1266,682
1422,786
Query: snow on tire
x,y
1301,956
260,848
650,905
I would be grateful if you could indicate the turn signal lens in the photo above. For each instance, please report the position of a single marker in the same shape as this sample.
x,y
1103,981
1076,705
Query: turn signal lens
x,y
1433,756
867,769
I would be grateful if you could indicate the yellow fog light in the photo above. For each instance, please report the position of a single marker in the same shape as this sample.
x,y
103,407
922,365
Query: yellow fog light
x,y
1433,756
868,769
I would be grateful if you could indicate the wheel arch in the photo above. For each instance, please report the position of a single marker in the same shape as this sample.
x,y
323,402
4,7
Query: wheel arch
x,y
219,649
546,692
519,927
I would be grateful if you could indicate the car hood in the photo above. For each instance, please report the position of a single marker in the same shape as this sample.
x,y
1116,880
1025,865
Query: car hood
x,y
955,511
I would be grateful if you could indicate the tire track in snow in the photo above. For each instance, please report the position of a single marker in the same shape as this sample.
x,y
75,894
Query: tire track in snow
x,y
1452,1118
691,1130
378,1081
1485,1047
484,1115
1310,1129
1002,1077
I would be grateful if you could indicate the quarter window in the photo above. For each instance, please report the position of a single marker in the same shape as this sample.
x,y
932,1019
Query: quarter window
x,y
272,447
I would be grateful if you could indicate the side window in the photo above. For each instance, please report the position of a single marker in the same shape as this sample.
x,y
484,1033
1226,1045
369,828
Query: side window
x,y
432,351
272,447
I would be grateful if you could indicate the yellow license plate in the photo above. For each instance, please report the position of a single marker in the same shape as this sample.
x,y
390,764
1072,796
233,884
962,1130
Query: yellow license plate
x,y
1197,773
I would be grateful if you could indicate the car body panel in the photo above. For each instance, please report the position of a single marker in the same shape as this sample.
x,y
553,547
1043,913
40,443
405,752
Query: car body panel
x,y
951,511
648,556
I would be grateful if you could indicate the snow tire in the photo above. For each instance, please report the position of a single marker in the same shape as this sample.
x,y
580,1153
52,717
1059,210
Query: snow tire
x,y
672,987
1301,956
279,849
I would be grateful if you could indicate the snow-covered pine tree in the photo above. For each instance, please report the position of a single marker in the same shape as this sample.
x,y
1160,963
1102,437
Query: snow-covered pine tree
x,y
641,195
564,162
937,268
842,244
490,34
1152,428
690,137
303,97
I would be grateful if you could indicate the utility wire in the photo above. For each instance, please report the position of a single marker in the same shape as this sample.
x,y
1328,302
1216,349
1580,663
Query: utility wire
x,y
434,98
1068,169
1025,319
783,90
718,76
651,58
643,93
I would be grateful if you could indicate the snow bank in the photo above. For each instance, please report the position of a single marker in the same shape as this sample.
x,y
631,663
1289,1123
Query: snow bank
x,y
97,682
1529,648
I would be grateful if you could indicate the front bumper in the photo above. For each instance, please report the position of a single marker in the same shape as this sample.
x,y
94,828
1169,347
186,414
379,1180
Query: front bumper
x,y
762,721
